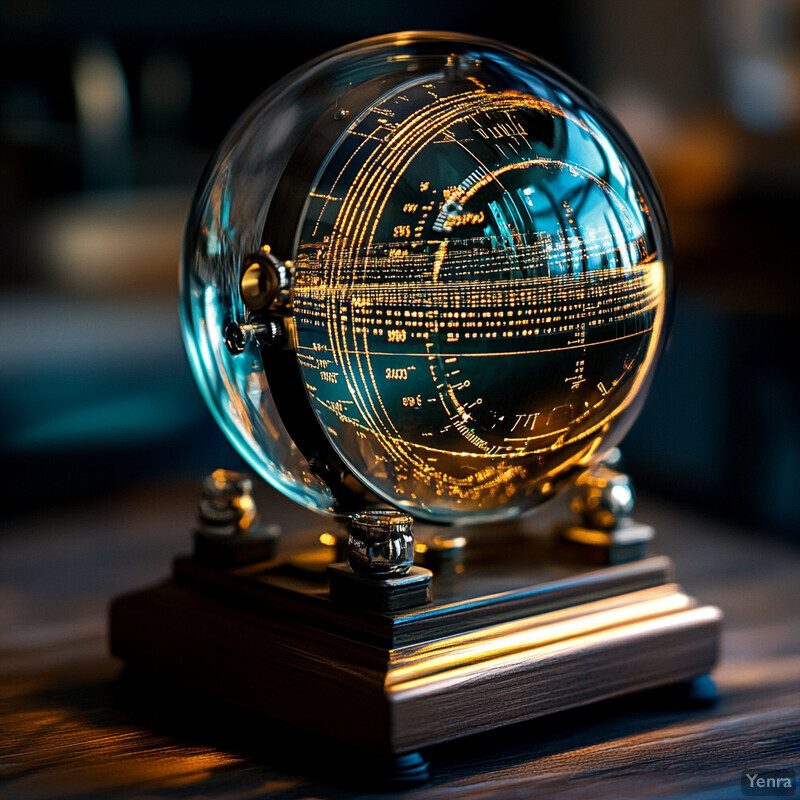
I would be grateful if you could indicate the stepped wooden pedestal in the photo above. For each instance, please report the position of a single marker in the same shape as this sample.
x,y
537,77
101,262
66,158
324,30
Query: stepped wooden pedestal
x,y
271,639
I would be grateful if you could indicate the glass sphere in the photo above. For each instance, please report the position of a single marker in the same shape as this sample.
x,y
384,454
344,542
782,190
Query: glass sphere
x,y
428,271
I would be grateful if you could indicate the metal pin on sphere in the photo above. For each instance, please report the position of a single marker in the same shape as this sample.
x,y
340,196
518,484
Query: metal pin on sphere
x,y
227,502
381,544
604,498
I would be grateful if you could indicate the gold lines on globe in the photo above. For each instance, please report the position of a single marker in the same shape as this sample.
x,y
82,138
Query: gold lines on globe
x,y
469,296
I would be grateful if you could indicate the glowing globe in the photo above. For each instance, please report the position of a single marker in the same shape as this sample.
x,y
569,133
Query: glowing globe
x,y
426,271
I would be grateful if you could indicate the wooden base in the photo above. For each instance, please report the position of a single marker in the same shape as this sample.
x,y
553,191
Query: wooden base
x,y
272,641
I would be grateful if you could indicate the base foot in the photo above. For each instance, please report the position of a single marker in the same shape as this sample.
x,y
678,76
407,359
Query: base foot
x,y
697,693
701,692
406,770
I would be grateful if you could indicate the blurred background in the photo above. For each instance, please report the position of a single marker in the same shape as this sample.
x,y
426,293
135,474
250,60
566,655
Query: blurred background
x,y
109,111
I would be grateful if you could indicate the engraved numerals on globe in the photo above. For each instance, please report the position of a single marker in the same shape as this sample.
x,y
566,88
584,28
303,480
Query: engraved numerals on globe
x,y
478,268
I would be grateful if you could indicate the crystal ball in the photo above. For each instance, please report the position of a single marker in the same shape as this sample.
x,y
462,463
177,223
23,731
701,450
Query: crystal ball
x,y
425,271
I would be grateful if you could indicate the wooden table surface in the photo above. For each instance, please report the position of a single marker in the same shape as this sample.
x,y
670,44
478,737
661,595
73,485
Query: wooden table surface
x,y
74,724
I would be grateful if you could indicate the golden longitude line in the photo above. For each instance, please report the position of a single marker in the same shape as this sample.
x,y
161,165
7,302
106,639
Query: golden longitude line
x,y
333,185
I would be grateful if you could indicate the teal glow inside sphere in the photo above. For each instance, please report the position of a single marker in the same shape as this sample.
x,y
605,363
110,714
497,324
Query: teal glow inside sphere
x,y
426,271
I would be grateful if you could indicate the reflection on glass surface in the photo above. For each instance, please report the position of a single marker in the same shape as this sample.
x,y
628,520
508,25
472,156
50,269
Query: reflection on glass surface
x,y
479,288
